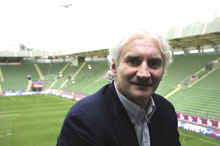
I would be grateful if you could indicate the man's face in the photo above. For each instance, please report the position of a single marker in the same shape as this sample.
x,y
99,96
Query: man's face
x,y
139,69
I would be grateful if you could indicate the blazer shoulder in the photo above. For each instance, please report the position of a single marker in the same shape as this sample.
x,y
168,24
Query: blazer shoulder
x,y
95,109
164,108
161,101
91,103
92,116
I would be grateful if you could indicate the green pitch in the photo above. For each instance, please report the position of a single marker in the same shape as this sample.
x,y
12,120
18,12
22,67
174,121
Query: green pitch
x,y
33,120
36,120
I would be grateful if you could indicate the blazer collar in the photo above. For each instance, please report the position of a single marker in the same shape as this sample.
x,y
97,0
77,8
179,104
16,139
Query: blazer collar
x,y
123,127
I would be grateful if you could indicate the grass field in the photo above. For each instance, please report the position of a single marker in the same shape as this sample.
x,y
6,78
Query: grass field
x,y
31,120
36,121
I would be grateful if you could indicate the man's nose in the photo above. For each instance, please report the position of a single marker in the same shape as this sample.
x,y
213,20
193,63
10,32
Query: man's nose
x,y
143,71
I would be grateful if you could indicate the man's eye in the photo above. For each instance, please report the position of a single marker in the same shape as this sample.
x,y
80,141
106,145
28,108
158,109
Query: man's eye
x,y
155,63
133,61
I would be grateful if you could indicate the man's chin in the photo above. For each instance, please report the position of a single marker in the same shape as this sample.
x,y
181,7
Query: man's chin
x,y
146,92
141,95
139,99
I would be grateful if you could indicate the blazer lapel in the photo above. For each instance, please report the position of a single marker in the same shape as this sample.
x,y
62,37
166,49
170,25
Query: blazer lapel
x,y
123,128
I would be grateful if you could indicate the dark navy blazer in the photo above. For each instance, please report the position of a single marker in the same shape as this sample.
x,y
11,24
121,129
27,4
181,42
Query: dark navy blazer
x,y
101,120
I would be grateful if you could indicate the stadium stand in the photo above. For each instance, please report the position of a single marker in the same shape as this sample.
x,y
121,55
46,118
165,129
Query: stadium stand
x,y
66,72
202,99
70,77
15,76
50,72
89,80
182,67
39,72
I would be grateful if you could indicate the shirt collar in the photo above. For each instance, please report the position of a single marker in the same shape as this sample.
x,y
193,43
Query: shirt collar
x,y
136,113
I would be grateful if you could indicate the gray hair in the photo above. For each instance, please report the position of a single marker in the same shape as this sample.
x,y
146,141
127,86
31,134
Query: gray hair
x,y
114,52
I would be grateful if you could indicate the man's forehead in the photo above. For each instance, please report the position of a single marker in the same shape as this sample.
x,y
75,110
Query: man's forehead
x,y
140,40
139,37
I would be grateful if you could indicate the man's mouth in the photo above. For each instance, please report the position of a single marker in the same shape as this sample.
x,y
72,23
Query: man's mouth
x,y
143,84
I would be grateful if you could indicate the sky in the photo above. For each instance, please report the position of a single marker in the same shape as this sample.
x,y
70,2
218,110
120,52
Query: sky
x,y
92,24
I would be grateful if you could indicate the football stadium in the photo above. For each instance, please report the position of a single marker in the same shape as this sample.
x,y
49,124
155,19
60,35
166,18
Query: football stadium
x,y
37,88
37,91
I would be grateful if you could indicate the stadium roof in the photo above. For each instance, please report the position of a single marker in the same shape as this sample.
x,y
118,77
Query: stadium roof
x,y
102,52
194,35
211,39
195,41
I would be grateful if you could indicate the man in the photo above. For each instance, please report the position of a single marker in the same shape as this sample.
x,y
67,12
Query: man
x,y
127,112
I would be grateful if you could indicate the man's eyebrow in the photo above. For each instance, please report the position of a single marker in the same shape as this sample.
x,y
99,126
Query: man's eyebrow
x,y
156,57
132,57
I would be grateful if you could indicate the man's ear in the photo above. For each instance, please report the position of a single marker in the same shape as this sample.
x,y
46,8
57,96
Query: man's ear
x,y
114,67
